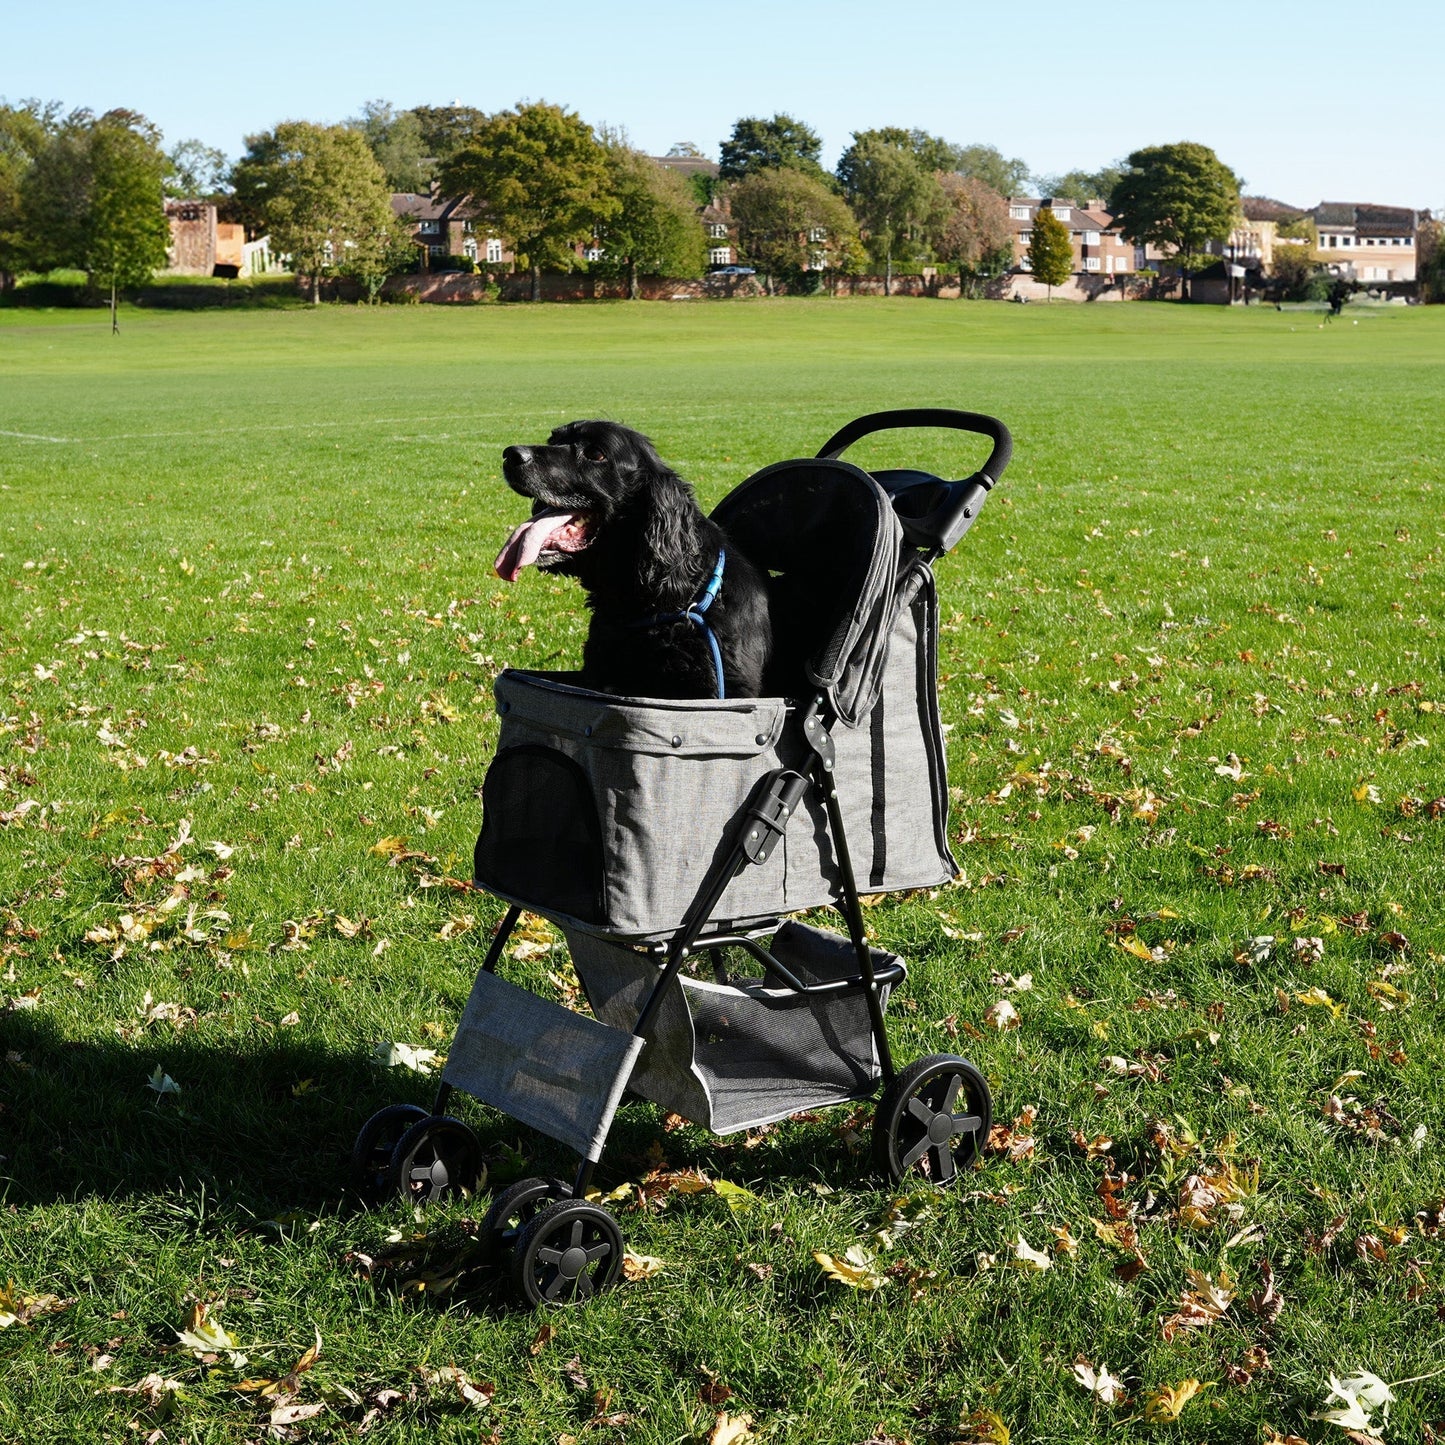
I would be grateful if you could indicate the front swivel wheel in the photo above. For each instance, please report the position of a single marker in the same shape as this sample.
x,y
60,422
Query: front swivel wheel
x,y
567,1252
375,1144
436,1157
932,1120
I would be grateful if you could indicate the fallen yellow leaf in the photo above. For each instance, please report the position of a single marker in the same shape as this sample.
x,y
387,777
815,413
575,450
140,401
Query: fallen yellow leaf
x,y
1162,1406
641,1266
730,1429
857,1268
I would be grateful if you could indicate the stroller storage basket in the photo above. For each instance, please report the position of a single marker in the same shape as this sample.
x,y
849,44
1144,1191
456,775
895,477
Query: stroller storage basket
x,y
605,813
735,1055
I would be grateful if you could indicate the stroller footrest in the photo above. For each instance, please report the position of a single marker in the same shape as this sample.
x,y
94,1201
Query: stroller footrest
x,y
560,1072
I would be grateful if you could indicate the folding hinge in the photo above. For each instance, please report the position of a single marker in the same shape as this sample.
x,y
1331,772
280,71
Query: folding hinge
x,y
767,819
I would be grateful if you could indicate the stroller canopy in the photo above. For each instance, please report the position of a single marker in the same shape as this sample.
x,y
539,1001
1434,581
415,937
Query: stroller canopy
x,y
826,536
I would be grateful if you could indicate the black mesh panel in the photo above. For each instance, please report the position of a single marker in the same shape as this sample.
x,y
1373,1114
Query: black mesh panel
x,y
541,843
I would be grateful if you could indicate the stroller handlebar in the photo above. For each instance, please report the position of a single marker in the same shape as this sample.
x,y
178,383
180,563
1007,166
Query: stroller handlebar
x,y
970,421
935,513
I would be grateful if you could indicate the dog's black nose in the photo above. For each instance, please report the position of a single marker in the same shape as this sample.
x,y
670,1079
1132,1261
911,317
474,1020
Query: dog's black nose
x,y
516,456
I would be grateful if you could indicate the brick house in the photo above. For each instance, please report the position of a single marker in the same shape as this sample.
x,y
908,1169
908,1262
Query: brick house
x,y
716,216
444,226
1099,249
201,244
1366,242
721,231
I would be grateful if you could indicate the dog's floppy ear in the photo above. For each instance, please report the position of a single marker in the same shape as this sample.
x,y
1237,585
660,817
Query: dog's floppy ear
x,y
670,537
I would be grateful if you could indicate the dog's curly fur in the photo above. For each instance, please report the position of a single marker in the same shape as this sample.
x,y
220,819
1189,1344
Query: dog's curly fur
x,y
641,547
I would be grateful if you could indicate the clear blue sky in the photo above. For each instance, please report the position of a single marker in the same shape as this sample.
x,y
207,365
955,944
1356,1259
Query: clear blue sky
x,y
1326,100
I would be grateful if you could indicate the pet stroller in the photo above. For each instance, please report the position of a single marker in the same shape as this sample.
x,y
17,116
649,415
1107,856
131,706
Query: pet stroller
x,y
663,835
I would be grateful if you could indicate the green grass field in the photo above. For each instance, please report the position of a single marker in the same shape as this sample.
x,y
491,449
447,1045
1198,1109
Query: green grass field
x,y
1192,668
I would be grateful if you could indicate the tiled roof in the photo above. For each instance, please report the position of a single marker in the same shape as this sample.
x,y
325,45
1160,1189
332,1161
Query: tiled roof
x,y
1364,219
688,165
1081,218
432,208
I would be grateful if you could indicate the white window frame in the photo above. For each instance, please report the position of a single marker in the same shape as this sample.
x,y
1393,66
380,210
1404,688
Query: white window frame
x,y
720,256
1091,238
1091,263
469,248
1063,213
494,250
718,230
1018,213
430,228
818,236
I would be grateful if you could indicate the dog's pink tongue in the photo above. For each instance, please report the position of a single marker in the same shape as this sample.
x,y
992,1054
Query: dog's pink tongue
x,y
526,544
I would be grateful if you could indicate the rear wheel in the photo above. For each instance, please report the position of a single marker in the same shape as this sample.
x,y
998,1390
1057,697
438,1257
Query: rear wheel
x,y
932,1120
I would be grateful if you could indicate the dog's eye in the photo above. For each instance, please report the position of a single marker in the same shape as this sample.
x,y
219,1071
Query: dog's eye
x,y
594,454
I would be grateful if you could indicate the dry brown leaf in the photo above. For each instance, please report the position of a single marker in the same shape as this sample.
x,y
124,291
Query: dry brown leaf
x,y
1268,1302
983,1427
1002,1016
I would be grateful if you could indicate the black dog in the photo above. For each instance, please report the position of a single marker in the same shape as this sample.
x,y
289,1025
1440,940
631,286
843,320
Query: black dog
x,y
676,611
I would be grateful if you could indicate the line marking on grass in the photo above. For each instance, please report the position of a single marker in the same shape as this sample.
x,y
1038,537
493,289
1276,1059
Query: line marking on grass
x,y
30,436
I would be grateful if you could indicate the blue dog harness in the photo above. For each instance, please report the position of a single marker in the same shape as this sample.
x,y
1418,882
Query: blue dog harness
x,y
694,613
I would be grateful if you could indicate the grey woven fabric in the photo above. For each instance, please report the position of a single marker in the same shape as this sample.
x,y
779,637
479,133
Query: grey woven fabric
x,y
736,1055
561,1072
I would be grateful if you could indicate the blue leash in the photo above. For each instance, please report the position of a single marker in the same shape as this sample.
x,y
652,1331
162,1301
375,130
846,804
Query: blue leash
x,y
693,613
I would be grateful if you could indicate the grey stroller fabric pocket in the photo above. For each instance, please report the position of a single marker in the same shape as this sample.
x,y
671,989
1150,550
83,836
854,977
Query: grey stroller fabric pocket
x,y
606,813
746,1052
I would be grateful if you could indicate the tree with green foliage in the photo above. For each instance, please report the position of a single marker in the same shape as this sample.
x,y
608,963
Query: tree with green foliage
x,y
127,230
1180,197
93,199
1430,266
655,229
889,190
24,131
446,128
195,170
541,178
972,231
1081,187
1009,176
762,145
1051,255
372,259
792,227
319,191
397,142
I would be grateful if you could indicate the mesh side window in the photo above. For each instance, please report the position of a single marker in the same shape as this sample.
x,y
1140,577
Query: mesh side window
x,y
541,842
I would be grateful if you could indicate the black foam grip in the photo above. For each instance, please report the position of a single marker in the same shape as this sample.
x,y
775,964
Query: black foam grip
x,y
969,421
